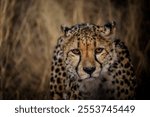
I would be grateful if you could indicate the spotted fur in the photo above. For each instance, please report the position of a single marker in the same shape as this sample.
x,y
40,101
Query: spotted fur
x,y
90,63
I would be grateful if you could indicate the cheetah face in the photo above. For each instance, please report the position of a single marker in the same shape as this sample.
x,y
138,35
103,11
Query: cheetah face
x,y
86,56
86,53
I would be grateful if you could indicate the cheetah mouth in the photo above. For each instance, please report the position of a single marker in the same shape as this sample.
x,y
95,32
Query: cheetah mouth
x,y
87,79
90,78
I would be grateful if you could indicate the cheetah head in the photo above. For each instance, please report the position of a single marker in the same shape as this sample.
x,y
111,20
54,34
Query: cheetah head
x,y
87,48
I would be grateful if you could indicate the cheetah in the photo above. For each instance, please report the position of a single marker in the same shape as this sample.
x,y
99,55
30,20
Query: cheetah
x,y
90,63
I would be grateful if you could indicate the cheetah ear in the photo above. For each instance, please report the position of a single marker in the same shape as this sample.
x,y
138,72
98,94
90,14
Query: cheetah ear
x,y
64,29
108,30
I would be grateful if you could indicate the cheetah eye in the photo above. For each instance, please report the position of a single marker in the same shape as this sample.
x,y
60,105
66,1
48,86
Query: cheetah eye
x,y
98,50
76,51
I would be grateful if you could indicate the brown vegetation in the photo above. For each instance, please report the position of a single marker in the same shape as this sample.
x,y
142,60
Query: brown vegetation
x,y
29,30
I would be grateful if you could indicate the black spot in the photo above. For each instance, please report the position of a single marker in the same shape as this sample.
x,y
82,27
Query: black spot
x,y
79,80
55,63
57,70
127,82
117,81
52,68
60,88
123,71
111,50
119,61
116,74
127,65
113,82
122,65
97,27
54,58
51,74
75,87
115,65
59,74
119,72
109,25
58,80
55,76
51,87
60,60
55,87
121,83
64,74
122,90
52,79
60,64
62,68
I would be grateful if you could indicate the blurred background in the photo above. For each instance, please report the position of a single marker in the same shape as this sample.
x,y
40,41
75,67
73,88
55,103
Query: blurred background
x,y
29,30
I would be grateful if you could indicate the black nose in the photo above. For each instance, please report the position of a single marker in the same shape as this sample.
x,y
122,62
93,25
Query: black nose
x,y
89,70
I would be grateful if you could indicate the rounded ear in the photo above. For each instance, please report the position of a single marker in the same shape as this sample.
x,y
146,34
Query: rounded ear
x,y
64,29
108,30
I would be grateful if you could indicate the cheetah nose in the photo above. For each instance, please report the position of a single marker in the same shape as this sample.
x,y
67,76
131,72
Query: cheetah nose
x,y
89,70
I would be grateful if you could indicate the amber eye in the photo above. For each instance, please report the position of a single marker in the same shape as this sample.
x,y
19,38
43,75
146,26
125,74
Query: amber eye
x,y
98,50
76,51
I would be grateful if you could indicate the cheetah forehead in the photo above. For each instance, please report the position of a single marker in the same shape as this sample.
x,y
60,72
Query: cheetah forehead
x,y
104,30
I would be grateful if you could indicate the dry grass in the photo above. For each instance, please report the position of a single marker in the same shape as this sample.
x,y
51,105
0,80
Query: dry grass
x,y
29,30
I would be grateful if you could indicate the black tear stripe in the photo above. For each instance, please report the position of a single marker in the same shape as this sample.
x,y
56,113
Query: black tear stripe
x,y
95,54
78,43
94,43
